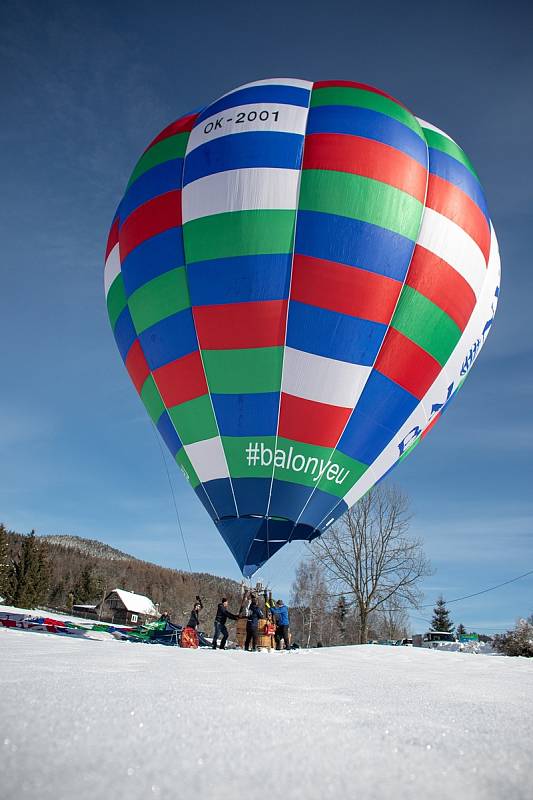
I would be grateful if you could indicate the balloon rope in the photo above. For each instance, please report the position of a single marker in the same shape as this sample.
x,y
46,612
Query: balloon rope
x,y
173,498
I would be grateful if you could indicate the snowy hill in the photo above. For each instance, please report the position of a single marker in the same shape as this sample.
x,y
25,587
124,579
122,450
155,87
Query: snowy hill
x,y
100,720
88,547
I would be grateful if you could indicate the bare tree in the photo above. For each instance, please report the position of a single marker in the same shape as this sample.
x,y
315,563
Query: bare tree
x,y
368,555
309,596
393,622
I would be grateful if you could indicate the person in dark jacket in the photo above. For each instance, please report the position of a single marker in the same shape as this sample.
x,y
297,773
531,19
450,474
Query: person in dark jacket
x,y
194,619
280,612
252,625
220,623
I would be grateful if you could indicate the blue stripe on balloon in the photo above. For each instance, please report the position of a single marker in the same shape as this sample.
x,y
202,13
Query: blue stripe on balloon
x,y
319,508
239,534
168,433
244,150
251,494
151,258
163,178
451,170
261,550
288,499
246,414
379,414
169,339
267,93
220,493
239,279
124,332
368,124
352,242
204,499
333,335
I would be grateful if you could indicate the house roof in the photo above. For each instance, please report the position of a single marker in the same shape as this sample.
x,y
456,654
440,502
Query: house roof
x,y
137,603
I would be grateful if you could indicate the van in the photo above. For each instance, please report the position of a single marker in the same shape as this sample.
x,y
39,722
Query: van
x,y
433,639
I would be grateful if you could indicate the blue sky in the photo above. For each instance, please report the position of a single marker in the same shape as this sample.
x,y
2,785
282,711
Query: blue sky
x,y
85,86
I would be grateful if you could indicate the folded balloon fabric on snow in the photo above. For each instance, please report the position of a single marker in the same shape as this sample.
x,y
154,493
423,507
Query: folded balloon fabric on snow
x,y
299,277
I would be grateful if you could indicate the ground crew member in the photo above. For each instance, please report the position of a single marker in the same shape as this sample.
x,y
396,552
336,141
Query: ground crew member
x,y
281,614
220,623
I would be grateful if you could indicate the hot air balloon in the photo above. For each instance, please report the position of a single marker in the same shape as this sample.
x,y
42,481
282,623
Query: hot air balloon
x,y
299,277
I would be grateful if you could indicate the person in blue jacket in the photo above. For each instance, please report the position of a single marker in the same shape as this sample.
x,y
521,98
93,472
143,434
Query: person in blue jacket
x,y
252,625
280,612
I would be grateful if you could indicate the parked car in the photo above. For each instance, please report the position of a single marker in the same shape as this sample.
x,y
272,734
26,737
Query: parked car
x,y
404,642
434,639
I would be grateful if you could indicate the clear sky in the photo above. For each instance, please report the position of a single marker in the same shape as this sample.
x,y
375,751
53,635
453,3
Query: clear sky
x,y
85,86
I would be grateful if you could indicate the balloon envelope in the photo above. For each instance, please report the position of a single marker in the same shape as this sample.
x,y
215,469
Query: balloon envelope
x,y
298,277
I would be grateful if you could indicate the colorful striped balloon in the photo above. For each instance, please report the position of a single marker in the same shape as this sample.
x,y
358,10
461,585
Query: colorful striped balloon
x,y
298,278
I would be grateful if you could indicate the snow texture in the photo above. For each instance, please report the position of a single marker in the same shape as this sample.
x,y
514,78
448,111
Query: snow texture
x,y
110,720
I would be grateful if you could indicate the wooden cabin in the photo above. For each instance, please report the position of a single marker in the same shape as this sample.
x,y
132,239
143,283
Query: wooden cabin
x,y
126,608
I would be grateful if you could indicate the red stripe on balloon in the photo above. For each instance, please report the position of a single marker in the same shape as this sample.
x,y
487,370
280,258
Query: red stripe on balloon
x,y
311,422
431,424
354,85
112,238
137,365
181,380
182,125
241,325
347,290
366,157
153,217
453,203
407,364
440,283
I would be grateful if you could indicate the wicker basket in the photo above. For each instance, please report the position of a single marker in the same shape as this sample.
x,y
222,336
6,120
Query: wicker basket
x,y
262,640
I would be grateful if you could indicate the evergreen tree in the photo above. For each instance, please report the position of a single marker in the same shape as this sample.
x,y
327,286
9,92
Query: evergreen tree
x,y
341,612
26,573
441,617
88,586
461,630
6,567
44,574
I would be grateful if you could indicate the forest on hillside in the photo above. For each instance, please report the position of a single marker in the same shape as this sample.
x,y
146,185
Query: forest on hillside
x,y
58,572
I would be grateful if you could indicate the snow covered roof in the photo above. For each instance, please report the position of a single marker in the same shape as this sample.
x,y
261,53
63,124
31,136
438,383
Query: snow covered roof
x,y
137,603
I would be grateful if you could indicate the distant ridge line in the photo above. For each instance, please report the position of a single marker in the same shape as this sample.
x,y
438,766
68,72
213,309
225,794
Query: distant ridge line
x,y
91,547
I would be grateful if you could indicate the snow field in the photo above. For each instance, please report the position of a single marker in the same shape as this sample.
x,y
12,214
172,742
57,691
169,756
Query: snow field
x,y
117,720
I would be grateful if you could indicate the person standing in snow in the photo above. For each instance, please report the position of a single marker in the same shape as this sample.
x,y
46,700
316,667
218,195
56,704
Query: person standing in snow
x,y
194,619
252,625
280,612
220,623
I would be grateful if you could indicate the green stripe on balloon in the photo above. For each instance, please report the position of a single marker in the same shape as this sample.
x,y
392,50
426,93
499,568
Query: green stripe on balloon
x,y
296,462
437,141
361,198
426,324
159,298
166,150
183,460
152,399
116,300
246,371
351,96
194,420
239,233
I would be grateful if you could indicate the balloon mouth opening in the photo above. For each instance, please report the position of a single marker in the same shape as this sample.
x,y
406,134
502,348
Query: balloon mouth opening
x,y
254,538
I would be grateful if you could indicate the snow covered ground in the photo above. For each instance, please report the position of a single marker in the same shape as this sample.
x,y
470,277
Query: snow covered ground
x,y
111,720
